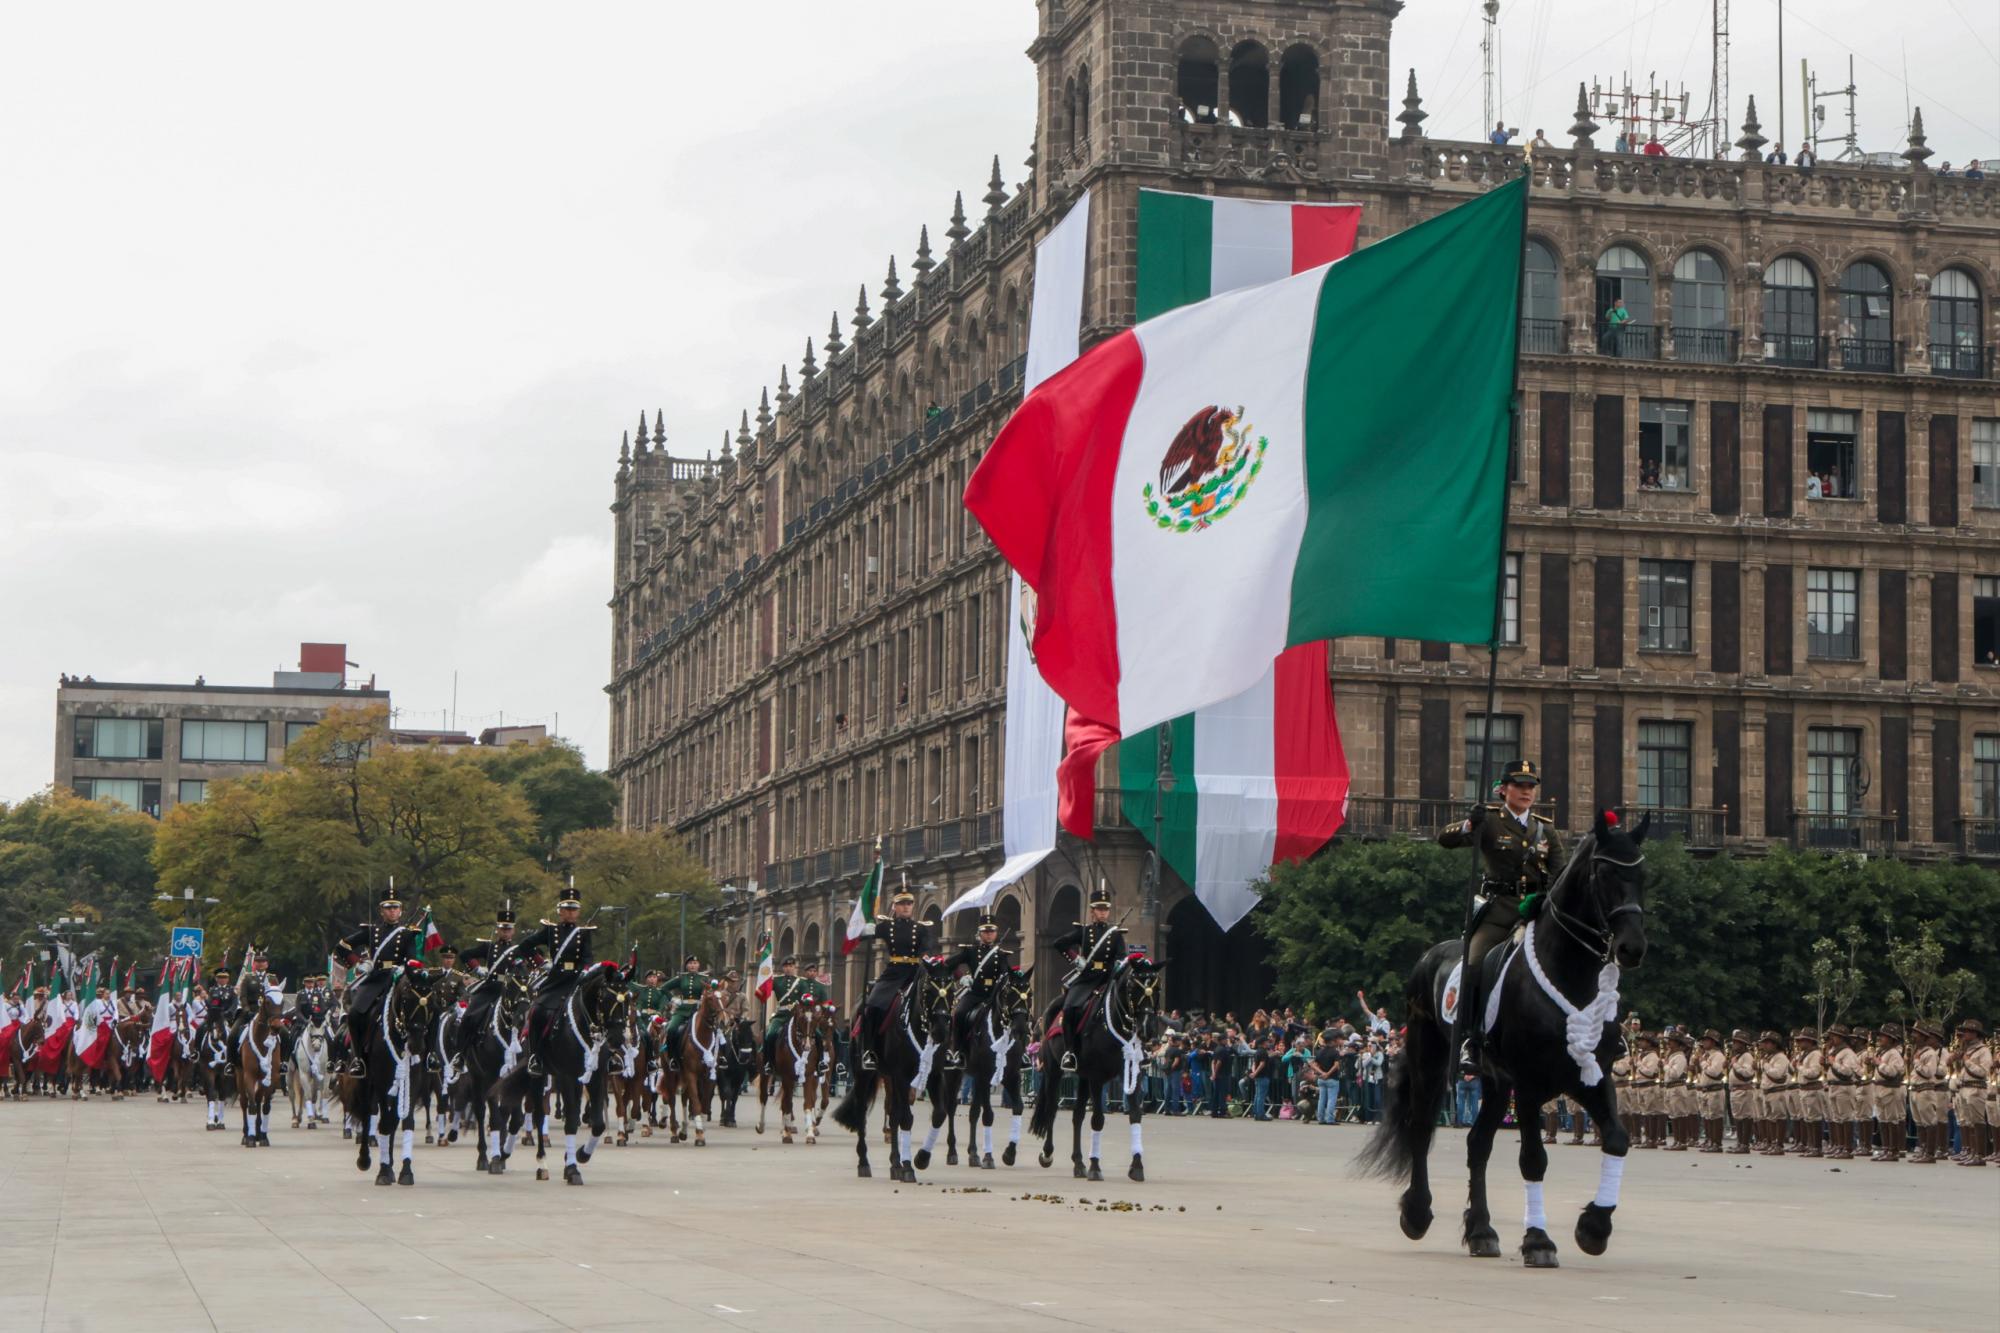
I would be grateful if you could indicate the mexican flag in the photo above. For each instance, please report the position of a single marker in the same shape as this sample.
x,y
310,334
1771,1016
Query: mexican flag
x,y
92,1039
14,1012
1320,456
766,978
59,1026
160,1038
864,907
429,938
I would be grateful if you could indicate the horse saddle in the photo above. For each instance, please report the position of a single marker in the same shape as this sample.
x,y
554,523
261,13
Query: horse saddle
x,y
1492,969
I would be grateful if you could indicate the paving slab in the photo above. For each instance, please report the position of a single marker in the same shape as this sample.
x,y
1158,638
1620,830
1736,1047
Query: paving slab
x,y
129,1216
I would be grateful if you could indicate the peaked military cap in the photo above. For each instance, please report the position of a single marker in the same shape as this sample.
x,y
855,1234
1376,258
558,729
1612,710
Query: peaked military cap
x,y
505,916
569,897
389,898
1522,772
1100,894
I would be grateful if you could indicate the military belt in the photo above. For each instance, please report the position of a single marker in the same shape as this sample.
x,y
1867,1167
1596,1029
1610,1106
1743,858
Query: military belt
x,y
904,958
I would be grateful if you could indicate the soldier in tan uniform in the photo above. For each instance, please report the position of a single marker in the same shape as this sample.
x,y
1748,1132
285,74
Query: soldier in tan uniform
x,y
1929,1101
1993,1098
1743,1101
1645,1091
1809,1092
1774,1078
1676,1094
1711,1084
1843,1094
1975,1079
1891,1135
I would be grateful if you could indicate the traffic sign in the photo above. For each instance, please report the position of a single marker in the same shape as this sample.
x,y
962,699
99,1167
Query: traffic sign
x,y
186,942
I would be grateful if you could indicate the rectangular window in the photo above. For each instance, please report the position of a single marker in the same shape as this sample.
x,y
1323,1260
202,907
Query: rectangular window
x,y
1664,765
1833,757
972,648
1986,782
225,742
141,794
1832,446
192,790
294,730
1986,463
934,681
1510,601
1506,749
1665,623
1666,434
1833,614
118,738
1986,621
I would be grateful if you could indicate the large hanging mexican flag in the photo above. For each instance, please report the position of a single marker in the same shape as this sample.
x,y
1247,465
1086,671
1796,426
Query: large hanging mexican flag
x,y
1316,457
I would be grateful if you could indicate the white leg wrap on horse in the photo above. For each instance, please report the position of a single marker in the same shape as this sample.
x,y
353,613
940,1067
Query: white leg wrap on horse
x,y
1534,1216
903,1144
1096,1142
930,1139
382,1146
988,1131
1610,1174
492,1143
1014,1131
1135,1140
569,1150
409,1142
594,1140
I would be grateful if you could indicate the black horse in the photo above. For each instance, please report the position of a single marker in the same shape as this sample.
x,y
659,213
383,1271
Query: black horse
x,y
1551,1030
1115,1025
916,1029
381,1098
482,1040
995,1043
736,1065
577,1057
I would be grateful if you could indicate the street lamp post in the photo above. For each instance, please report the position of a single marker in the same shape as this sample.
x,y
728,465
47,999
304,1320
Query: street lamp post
x,y
684,921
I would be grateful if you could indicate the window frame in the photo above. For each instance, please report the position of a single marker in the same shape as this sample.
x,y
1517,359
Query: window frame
x,y
1825,784
1661,409
1820,642
1659,575
1985,435
90,724
1476,744
1653,747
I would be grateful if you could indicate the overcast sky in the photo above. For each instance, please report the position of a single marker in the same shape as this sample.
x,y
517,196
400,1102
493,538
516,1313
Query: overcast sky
x,y
322,322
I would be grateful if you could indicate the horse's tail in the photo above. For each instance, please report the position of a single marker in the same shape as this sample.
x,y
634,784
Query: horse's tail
x,y
1043,1123
852,1113
1415,1083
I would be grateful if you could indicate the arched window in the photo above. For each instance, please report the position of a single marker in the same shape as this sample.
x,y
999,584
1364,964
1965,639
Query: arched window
x,y
1081,131
1701,309
1069,120
810,954
1198,80
1541,301
1955,326
1249,86
1791,313
785,946
1298,88
1867,329
1624,303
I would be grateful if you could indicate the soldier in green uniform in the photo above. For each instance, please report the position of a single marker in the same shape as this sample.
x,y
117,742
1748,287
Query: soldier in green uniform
x,y
683,993
1520,853
646,995
788,991
812,984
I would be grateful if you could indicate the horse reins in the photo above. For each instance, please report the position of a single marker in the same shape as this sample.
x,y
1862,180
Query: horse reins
x,y
1595,938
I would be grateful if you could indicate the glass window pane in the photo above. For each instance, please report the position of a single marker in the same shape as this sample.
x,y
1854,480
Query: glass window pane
x,y
1506,749
193,789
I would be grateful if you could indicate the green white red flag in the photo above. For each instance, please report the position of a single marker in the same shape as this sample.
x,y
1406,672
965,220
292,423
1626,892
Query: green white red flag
x,y
863,914
429,938
766,978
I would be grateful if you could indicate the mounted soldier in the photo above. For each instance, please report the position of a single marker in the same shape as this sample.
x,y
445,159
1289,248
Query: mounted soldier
x,y
788,992
908,941
1519,853
485,955
988,962
566,941
220,1007
1097,946
381,947
682,994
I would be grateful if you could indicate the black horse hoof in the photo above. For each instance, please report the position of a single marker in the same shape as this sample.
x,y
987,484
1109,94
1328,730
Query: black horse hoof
x,y
1414,1218
863,1171
1137,1170
1096,1171
497,1166
583,1157
429,1140
1593,1229
1007,1156
541,1173
1076,1169
385,1176
1537,1250
453,1137
481,1165
361,1161
985,1162
263,1140
406,1176
951,1157
1486,1245
347,1133
572,1175
1046,1159
923,1159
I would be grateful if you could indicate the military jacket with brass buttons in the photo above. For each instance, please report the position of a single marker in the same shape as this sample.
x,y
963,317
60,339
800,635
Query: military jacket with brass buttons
x,y
1518,859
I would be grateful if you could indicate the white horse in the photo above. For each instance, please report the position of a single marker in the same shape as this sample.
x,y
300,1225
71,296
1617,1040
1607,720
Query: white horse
x,y
310,1082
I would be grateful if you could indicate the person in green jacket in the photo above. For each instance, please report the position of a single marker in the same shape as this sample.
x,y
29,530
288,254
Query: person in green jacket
x,y
683,993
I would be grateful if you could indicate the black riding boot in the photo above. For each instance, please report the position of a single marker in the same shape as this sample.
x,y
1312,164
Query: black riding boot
x,y
1072,1038
1465,1027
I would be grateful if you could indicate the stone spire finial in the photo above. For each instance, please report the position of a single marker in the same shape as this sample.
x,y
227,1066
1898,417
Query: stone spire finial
x,y
1918,149
659,426
923,263
892,290
1413,115
764,409
743,430
642,430
996,190
957,231
784,387
624,451
808,367
862,319
1753,138
834,345
725,446
1584,127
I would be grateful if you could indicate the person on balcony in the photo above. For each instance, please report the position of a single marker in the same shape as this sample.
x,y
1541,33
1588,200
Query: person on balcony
x,y
1654,148
1776,157
1615,320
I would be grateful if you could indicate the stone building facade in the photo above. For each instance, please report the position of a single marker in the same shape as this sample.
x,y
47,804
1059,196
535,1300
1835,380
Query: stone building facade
x,y
1754,543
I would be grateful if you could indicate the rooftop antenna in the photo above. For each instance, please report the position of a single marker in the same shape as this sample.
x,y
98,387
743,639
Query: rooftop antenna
x,y
1718,99
1781,73
1815,109
1486,44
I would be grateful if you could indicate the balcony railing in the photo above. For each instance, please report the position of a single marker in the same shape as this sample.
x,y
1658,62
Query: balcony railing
x,y
1979,838
1630,342
1804,350
1711,347
1387,816
1971,363
1845,832
1544,337
1881,355
1700,828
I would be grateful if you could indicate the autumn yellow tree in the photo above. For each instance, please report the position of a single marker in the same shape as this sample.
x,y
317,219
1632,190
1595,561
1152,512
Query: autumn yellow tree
x,y
620,875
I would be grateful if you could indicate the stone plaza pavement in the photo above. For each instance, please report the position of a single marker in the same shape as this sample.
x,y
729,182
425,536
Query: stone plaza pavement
x,y
129,1216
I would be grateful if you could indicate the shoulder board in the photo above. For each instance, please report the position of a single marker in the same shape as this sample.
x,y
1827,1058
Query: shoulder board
x,y
1541,819
547,922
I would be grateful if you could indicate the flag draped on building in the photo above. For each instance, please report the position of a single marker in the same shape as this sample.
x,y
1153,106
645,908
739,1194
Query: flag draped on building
x,y
765,977
1315,457
864,906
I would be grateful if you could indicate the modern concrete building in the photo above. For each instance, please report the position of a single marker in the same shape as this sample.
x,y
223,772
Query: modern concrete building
x,y
153,746
1754,553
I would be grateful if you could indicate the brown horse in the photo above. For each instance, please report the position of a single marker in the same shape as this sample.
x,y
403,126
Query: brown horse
x,y
694,1071
257,1067
128,1051
792,1062
14,1060
631,1075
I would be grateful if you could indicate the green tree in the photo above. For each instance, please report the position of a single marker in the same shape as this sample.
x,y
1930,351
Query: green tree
x,y
561,790
1837,976
1925,989
623,869
61,855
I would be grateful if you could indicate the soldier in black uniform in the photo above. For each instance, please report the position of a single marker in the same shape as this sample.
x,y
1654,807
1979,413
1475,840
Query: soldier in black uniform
x,y
1096,945
485,955
988,963
567,942
907,940
220,1016
384,946
1520,853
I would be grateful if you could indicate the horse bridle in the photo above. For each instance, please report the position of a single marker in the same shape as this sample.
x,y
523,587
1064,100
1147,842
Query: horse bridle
x,y
1596,938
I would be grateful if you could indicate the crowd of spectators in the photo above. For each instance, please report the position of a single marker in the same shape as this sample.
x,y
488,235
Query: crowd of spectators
x,y
1279,1065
